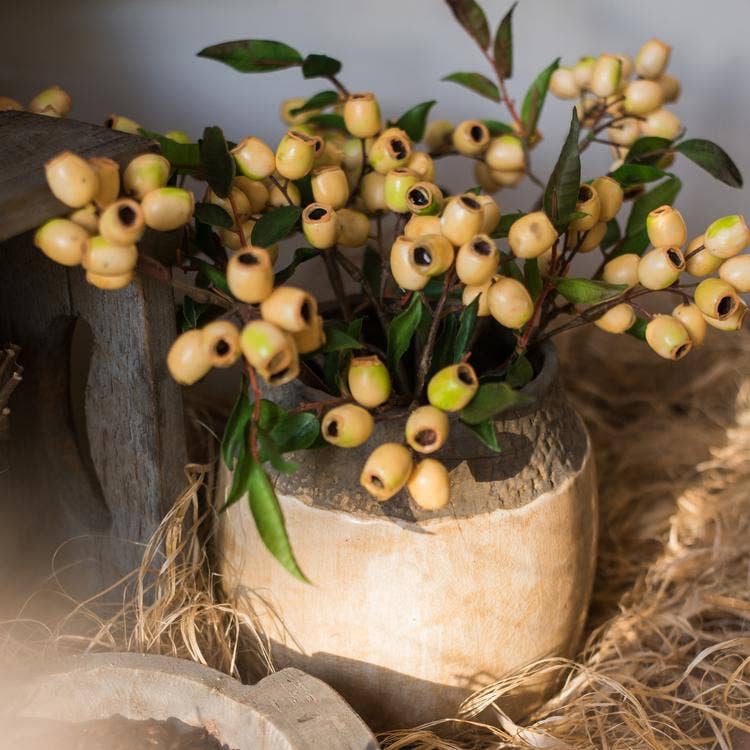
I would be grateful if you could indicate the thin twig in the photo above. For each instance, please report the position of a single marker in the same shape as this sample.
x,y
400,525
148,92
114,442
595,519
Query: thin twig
x,y
426,359
337,284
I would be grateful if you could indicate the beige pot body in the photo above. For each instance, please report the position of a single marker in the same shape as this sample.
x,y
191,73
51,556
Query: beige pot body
x,y
409,613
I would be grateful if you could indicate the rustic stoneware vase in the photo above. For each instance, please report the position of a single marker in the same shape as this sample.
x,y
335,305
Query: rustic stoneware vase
x,y
410,611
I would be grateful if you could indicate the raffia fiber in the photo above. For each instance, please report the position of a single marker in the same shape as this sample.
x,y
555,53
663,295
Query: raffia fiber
x,y
667,660
666,663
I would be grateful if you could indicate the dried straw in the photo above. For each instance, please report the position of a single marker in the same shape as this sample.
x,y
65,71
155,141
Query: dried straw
x,y
667,660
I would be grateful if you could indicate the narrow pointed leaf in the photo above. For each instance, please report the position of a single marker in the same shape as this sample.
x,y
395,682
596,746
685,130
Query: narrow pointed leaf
x,y
212,275
561,193
295,432
182,156
498,128
217,164
234,433
611,236
587,291
519,373
301,255
636,174
638,329
216,216
534,99
533,278
471,16
275,225
253,55
328,121
315,66
317,101
269,451
504,45
478,83
269,520
466,324
486,432
648,150
713,159
506,222
339,341
402,329
491,399
413,121
240,476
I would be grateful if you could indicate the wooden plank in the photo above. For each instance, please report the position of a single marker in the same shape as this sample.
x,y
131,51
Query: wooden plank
x,y
27,141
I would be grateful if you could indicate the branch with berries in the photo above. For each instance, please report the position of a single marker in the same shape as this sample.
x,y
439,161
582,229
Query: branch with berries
x,y
11,375
458,277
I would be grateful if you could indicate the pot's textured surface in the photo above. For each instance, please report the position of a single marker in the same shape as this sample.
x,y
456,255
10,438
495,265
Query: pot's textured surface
x,y
410,610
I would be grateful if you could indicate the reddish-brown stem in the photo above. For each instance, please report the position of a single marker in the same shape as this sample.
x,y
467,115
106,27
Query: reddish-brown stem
x,y
255,389
236,216
426,359
319,406
151,267
282,188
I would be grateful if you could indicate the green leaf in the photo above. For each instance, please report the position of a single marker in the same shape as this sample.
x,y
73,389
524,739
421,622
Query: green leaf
x,y
647,150
663,194
320,66
504,45
519,373
317,101
466,324
269,451
444,347
477,83
611,236
587,291
532,278
215,277
486,432
183,156
217,163
372,269
253,55
638,329
212,214
275,225
636,174
328,121
471,16
240,477
498,128
508,267
535,96
269,520
402,328
506,222
561,193
295,432
490,400
301,255
634,243
338,340
234,432
713,159
413,121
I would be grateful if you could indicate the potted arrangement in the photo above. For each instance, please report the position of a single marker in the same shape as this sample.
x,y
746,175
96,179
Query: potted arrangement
x,y
408,449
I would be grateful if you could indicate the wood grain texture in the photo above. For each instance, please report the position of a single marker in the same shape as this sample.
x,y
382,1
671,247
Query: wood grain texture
x,y
96,447
287,710
27,141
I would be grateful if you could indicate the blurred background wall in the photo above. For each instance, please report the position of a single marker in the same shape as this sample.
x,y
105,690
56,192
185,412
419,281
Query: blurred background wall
x,y
137,57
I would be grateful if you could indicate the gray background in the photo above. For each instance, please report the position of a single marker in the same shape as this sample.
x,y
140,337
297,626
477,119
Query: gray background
x,y
138,58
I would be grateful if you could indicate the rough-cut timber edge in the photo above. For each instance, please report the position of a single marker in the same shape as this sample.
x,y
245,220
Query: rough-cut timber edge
x,y
288,710
406,618
27,141
96,447
542,443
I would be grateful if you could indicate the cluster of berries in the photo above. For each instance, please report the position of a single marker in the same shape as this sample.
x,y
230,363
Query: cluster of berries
x,y
102,231
716,301
632,92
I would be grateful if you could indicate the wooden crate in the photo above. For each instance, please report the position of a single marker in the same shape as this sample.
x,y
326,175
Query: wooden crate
x,y
96,445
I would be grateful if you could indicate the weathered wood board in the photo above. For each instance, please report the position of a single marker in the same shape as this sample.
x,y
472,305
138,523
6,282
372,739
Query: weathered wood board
x,y
96,446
